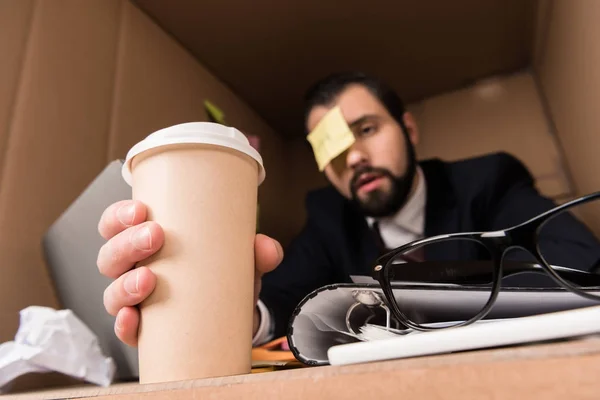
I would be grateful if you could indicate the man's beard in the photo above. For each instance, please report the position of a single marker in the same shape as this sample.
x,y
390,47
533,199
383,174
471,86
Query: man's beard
x,y
379,203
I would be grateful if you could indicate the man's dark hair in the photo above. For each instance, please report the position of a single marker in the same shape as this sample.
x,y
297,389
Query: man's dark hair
x,y
325,91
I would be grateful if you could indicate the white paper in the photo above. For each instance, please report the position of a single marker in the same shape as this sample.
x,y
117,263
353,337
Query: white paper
x,y
54,340
537,328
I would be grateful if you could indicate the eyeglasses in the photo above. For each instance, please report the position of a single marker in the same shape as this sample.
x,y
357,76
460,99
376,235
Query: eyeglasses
x,y
555,246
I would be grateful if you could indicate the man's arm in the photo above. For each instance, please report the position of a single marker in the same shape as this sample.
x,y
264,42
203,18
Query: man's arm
x,y
564,241
306,266
265,323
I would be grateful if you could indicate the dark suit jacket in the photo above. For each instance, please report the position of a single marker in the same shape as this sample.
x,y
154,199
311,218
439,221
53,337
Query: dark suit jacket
x,y
479,194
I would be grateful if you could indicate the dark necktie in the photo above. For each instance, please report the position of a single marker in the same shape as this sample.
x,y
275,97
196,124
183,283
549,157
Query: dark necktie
x,y
417,255
380,244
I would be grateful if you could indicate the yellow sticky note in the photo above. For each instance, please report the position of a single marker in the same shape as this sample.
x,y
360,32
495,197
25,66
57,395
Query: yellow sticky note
x,y
331,137
214,113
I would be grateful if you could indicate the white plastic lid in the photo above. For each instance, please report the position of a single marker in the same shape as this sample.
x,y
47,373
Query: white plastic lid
x,y
195,132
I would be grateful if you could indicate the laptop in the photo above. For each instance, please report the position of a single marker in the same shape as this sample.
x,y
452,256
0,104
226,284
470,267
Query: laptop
x,y
71,248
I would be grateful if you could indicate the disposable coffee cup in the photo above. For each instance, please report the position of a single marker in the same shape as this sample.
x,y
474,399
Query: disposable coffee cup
x,y
199,182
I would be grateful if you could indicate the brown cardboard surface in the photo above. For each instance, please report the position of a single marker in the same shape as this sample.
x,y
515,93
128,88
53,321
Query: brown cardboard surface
x,y
420,47
549,371
502,114
15,23
567,66
55,133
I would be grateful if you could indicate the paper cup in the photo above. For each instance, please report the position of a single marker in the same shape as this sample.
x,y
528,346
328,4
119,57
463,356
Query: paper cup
x,y
199,182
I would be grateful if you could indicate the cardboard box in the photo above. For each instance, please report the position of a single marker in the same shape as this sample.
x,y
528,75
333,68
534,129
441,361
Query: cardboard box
x,y
80,82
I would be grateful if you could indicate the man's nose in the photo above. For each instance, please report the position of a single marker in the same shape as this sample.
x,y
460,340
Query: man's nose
x,y
356,157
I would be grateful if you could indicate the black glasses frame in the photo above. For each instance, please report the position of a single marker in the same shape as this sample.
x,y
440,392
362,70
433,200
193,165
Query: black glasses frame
x,y
523,236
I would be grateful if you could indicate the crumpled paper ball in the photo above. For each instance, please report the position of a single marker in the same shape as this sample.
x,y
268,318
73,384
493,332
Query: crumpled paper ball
x,y
54,340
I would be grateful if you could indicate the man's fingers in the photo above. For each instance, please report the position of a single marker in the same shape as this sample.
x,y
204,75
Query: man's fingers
x,y
128,290
120,216
125,249
127,324
268,254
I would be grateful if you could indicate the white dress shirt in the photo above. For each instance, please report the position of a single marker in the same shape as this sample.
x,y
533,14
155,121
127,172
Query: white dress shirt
x,y
406,225
265,329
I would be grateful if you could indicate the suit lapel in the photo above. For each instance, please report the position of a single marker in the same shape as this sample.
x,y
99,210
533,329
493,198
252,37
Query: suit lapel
x,y
441,209
441,213
362,241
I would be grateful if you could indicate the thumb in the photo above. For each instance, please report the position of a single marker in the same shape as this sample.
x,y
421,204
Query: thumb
x,y
268,254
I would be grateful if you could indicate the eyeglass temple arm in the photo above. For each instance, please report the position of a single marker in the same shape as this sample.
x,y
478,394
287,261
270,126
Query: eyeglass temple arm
x,y
478,272
575,276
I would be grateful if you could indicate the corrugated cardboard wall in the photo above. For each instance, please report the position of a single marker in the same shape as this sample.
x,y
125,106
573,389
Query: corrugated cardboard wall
x,y
80,82
568,57
499,114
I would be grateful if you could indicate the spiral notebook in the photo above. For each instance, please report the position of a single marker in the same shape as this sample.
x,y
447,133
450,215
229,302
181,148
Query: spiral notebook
x,y
320,321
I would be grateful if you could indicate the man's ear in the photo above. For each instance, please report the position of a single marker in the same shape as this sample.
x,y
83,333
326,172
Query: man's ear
x,y
411,126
